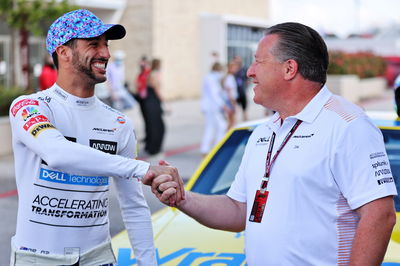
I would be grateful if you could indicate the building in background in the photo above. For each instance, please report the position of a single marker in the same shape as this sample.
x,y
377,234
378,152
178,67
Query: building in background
x,y
183,34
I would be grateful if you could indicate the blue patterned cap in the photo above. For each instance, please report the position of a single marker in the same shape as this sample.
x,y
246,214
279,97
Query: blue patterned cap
x,y
80,24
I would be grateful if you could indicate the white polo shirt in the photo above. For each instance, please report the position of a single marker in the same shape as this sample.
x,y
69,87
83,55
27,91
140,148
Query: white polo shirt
x,y
334,163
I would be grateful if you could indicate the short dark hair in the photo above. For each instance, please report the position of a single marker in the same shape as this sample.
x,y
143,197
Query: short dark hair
x,y
71,43
216,67
155,64
304,45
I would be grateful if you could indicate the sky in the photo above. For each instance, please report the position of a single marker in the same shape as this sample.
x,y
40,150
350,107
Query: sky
x,y
341,17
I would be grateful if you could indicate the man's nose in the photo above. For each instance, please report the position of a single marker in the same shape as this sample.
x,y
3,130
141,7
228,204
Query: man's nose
x,y
250,71
105,52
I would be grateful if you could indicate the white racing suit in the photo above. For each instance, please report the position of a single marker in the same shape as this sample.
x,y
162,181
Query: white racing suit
x,y
65,150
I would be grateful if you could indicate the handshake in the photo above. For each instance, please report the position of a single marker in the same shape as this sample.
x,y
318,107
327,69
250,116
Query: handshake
x,y
165,183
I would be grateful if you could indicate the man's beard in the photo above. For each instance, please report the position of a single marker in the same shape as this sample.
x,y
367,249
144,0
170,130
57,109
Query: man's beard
x,y
81,68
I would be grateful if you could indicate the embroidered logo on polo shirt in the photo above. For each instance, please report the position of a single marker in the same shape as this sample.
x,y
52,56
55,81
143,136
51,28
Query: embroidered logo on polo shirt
x,y
376,155
381,167
262,141
303,136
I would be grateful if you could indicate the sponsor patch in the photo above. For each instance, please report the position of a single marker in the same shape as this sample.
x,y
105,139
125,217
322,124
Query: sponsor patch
x,y
46,99
60,93
82,102
28,249
80,212
121,120
108,131
35,120
104,146
385,180
65,178
39,128
22,103
376,155
303,136
28,112
262,141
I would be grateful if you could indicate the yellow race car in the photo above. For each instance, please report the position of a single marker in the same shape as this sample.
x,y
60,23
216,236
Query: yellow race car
x,y
182,241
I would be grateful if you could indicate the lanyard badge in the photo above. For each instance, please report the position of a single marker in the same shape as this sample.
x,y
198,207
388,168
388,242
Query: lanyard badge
x,y
260,201
261,197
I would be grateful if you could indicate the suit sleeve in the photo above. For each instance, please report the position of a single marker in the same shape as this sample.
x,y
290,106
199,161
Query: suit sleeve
x,y
135,211
31,125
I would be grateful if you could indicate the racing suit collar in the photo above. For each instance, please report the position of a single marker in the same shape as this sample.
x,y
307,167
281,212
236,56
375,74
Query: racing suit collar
x,y
72,100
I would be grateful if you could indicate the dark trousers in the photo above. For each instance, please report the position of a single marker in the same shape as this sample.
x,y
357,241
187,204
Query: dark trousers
x,y
154,123
143,110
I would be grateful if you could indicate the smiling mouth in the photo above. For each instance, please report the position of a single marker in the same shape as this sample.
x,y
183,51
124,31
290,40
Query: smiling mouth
x,y
101,66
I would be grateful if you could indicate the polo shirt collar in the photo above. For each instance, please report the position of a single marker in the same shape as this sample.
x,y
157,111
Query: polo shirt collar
x,y
314,107
309,112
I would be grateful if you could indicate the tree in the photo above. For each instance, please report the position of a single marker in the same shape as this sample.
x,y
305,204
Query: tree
x,y
27,17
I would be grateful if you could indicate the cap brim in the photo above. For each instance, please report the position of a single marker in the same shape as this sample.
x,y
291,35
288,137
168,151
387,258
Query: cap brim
x,y
115,32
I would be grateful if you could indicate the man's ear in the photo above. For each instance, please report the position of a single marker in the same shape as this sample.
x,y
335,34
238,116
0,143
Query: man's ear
x,y
290,67
64,53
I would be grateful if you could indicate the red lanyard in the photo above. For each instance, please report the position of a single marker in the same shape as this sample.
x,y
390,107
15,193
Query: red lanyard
x,y
268,161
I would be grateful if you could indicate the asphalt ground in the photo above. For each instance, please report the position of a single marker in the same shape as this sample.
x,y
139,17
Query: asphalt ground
x,y
184,129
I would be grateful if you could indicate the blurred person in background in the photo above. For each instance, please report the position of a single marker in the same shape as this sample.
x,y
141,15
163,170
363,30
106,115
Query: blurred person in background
x,y
48,76
102,92
241,82
141,89
154,112
396,87
230,92
141,79
213,106
121,98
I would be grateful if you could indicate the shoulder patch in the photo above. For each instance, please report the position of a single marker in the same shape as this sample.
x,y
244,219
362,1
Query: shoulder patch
x,y
18,105
121,119
35,120
39,128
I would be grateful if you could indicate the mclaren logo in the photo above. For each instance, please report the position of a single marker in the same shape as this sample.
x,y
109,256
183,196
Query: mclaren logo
x,y
108,131
303,136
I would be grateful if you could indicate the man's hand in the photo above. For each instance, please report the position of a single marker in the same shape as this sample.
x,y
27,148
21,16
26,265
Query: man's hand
x,y
168,174
165,189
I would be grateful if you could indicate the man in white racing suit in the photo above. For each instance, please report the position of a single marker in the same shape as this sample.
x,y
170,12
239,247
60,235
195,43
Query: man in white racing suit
x,y
67,144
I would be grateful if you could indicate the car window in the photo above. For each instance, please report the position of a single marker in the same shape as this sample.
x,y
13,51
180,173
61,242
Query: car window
x,y
218,175
392,143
